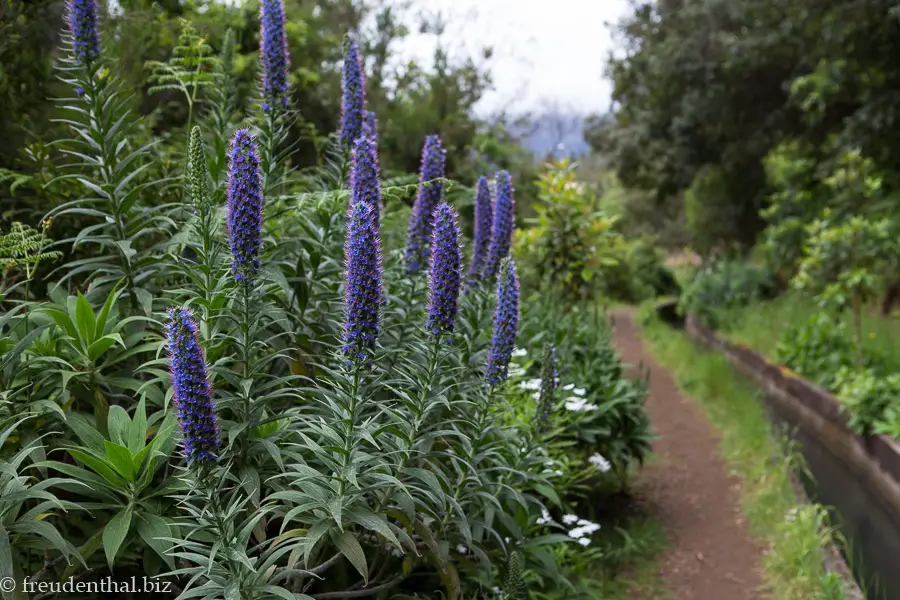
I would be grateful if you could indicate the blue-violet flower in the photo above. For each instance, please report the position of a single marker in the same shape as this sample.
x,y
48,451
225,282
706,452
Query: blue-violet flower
x,y
363,293
484,216
192,391
354,97
83,27
504,222
245,207
506,323
273,54
429,195
444,275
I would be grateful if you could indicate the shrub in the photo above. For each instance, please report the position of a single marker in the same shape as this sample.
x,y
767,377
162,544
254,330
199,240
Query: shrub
x,y
866,397
725,284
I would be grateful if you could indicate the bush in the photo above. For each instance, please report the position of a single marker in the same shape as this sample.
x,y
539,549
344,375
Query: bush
x,y
866,397
725,284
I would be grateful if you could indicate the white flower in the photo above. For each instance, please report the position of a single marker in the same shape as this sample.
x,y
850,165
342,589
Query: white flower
x,y
531,384
557,472
569,387
462,549
588,527
570,519
545,518
585,541
579,391
576,404
516,370
520,352
601,463
506,539
576,533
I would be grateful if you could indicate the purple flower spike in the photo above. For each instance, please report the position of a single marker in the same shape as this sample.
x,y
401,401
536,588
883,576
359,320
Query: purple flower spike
x,y
430,192
83,27
363,294
365,178
192,390
504,222
484,216
354,98
273,54
370,126
245,207
444,275
506,324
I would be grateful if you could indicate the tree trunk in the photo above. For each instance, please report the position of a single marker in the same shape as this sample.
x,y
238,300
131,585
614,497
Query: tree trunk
x,y
891,296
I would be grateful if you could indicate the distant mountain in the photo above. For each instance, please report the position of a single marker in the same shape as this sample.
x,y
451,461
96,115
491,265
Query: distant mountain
x,y
555,133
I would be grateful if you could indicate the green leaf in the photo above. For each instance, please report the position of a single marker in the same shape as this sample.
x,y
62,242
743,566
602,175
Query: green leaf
x,y
98,347
373,522
104,312
118,422
121,459
137,430
114,534
100,465
348,546
84,318
155,530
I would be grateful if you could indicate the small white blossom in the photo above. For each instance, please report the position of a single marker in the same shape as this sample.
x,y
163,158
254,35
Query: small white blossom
x,y
585,541
520,352
579,391
515,370
600,462
531,384
462,549
545,518
557,472
569,387
588,526
570,519
576,404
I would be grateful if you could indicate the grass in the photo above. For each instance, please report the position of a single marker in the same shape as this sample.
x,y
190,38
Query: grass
x,y
761,325
792,534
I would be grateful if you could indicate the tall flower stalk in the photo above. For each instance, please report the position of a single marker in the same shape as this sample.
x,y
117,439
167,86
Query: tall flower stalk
x,y
363,295
444,275
82,16
273,55
245,208
192,390
484,216
506,324
353,101
365,177
504,222
429,195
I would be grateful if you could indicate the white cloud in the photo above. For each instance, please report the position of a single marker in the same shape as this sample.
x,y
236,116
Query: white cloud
x,y
545,51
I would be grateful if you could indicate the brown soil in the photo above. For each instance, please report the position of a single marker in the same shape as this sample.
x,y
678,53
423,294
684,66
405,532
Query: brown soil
x,y
710,554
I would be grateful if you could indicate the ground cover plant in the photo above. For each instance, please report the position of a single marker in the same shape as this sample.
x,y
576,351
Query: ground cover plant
x,y
250,381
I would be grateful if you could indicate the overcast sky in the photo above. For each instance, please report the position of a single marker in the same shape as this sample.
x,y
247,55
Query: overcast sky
x,y
546,51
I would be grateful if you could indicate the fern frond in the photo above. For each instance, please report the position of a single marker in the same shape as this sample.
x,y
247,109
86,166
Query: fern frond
x,y
14,180
23,246
192,66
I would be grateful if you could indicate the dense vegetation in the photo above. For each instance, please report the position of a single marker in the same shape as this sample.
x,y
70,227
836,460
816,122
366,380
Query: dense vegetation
x,y
233,358
766,129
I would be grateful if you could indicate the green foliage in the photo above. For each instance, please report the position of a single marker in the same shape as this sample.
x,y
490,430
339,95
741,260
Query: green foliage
x,y
191,67
819,350
571,241
24,248
725,284
866,397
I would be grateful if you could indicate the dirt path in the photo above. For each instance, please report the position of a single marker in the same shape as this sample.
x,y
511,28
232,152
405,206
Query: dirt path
x,y
711,556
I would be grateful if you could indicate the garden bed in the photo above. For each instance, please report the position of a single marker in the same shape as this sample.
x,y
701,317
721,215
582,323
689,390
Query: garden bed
x,y
858,476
